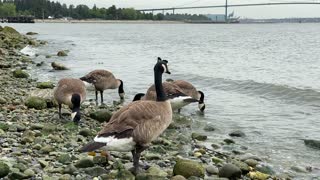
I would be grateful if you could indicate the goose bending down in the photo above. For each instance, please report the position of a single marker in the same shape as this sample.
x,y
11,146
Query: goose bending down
x,y
71,92
102,80
136,125
174,93
190,90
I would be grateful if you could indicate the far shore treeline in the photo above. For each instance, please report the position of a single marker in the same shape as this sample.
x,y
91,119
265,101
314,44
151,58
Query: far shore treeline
x,y
45,8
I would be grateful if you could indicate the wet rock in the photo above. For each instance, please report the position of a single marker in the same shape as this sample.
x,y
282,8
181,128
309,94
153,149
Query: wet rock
x,y
251,162
36,103
28,137
299,169
178,177
20,166
215,146
153,172
152,156
212,170
17,175
84,163
209,128
31,33
237,133
47,95
101,115
29,173
312,143
85,132
230,171
101,160
2,133
265,169
64,159
124,174
20,74
36,126
47,149
62,53
95,171
198,137
4,126
4,169
70,169
10,30
229,141
58,66
65,177
43,163
243,166
45,85
258,175
48,56
188,168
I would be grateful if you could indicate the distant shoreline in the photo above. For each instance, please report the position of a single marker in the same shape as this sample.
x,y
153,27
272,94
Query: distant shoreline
x,y
107,21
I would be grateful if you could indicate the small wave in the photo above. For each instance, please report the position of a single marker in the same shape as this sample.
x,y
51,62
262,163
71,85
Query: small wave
x,y
28,50
265,90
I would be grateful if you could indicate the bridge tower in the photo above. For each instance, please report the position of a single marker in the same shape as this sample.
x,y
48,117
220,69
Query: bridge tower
x,y
226,12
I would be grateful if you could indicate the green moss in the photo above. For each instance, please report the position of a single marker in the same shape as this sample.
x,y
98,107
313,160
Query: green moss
x,y
20,74
188,168
9,30
101,115
4,169
36,103
198,137
45,85
71,126
4,126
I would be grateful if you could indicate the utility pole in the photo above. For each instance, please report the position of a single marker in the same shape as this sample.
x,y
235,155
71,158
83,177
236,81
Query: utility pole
x,y
226,12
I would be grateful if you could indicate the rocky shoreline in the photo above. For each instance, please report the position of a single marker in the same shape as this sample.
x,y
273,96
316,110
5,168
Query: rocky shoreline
x,y
36,144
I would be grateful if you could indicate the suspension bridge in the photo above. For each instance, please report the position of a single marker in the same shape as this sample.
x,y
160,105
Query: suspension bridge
x,y
226,6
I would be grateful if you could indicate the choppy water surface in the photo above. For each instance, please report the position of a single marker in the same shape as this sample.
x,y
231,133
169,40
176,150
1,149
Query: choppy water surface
x,y
260,79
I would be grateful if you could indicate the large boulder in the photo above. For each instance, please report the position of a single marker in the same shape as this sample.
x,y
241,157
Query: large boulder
x,y
36,103
230,171
47,95
312,143
101,115
10,30
188,168
58,66
4,169
20,74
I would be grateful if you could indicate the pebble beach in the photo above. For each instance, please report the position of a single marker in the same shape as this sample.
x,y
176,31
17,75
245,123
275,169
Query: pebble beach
x,y
36,144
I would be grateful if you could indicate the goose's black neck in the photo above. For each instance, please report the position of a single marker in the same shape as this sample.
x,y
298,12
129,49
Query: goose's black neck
x,y
120,90
161,96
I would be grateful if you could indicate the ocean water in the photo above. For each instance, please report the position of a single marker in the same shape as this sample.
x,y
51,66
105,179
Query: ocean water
x,y
262,79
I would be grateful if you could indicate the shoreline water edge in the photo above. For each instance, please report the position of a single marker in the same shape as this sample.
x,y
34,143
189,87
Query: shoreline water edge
x,y
36,144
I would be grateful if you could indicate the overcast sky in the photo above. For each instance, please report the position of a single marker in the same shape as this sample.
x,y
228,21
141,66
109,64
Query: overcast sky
x,y
245,12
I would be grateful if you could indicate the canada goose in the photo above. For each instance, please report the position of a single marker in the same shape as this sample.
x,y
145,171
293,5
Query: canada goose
x,y
174,93
102,80
71,92
190,90
137,124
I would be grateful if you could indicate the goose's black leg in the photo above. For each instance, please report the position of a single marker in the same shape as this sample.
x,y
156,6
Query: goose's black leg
x,y
101,94
96,96
136,157
60,116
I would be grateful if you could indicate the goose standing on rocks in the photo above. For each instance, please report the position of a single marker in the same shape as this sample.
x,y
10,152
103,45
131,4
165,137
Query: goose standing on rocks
x,y
174,93
102,80
190,90
136,125
71,92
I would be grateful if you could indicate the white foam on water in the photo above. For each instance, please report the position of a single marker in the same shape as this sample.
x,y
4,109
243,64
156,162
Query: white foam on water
x,y
28,50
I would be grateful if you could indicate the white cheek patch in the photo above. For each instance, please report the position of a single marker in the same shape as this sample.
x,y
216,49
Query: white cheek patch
x,y
73,115
164,68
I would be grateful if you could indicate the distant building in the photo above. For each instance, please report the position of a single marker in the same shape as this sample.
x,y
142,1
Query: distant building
x,y
221,18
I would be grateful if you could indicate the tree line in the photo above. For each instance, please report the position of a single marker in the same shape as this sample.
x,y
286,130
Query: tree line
x,y
45,8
